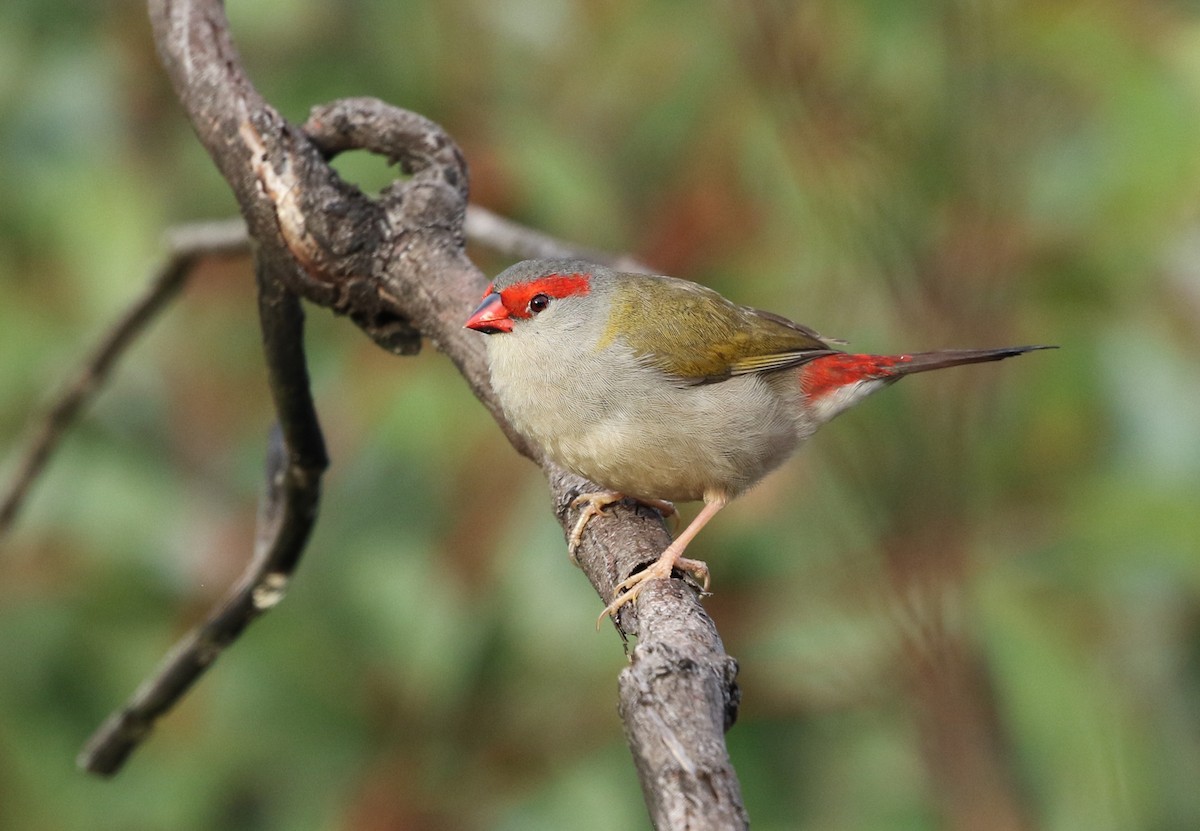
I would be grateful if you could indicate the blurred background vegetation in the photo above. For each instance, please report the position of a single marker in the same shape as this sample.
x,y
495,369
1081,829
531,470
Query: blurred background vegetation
x,y
974,602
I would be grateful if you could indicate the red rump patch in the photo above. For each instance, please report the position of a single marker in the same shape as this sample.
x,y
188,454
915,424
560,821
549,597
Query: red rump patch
x,y
824,375
516,297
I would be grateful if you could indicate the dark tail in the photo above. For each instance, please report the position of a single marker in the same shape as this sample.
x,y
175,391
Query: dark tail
x,y
942,358
833,383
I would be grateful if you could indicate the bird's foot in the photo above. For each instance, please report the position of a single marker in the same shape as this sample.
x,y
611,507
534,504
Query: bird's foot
x,y
594,505
629,588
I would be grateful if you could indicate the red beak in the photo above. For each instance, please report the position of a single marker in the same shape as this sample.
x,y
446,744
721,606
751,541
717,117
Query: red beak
x,y
491,317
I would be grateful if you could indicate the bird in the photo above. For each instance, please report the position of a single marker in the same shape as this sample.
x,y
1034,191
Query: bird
x,y
662,390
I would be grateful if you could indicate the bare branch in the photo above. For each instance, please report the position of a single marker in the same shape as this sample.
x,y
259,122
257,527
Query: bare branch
x,y
295,461
187,246
397,268
677,703
520,242
679,695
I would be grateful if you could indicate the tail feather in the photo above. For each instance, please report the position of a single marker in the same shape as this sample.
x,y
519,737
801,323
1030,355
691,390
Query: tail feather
x,y
833,383
942,358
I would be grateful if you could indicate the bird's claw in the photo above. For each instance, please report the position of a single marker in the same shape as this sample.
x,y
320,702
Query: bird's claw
x,y
594,505
629,588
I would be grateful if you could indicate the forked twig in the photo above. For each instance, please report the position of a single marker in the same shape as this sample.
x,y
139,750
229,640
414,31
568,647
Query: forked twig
x,y
295,461
187,245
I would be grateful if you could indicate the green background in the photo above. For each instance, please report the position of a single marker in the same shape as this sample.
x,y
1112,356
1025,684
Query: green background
x,y
903,175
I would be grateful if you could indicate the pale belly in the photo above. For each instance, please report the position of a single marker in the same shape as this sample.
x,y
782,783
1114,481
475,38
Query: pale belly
x,y
664,441
670,468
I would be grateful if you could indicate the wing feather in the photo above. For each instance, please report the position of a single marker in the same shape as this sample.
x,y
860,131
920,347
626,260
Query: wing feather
x,y
711,339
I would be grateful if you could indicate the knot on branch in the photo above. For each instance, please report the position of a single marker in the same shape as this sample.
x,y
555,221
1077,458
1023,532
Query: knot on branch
x,y
377,313
659,663
676,703
436,194
334,238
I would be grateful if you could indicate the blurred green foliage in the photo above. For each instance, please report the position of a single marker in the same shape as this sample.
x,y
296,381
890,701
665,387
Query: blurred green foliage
x,y
904,175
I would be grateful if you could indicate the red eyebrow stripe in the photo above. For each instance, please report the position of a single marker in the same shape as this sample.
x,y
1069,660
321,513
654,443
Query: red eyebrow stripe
x,y
516,297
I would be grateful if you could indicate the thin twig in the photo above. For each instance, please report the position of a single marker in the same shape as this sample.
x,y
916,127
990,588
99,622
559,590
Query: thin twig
x,y
504,236
295,461
187,246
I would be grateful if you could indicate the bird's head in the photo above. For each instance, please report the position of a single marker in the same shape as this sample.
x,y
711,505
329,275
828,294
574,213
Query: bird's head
x,y
552,293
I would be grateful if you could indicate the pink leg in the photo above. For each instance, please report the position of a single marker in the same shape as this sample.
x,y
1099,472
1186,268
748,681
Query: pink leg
x,y
670,559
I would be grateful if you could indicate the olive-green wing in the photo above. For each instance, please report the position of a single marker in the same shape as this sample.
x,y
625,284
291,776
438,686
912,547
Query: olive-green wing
x,y
710,338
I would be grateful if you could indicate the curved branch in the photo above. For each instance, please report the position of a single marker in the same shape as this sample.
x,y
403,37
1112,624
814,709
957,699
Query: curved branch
x,y
396,266
295,461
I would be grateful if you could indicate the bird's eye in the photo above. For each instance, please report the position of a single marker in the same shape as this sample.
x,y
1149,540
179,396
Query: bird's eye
x,y
538,303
